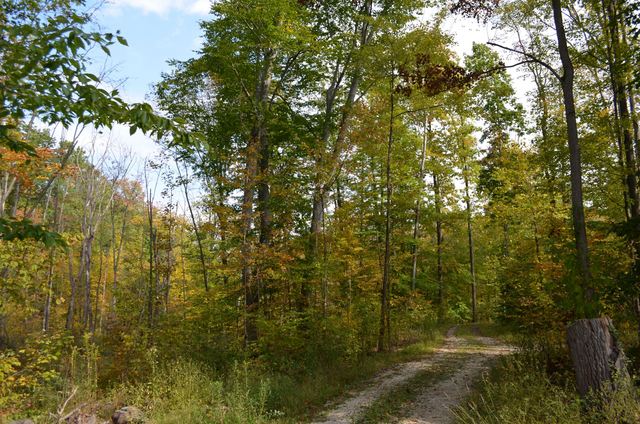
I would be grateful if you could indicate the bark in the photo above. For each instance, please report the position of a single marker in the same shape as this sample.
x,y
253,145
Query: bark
x,y
472,259
264,194
416,217
384,330
117,251
84,275
577,204
47,303
250,297
72,299
223,223
597,356
6,187
203,263
97,311
326,157
256,172
57,219
150,284
439,239
16,199
625,119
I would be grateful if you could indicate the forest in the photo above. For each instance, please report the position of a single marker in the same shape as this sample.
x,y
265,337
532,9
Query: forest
x,y
349,221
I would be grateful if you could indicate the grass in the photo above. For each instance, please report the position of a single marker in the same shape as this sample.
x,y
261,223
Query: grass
x,y
302,399
517,393
535,385
188,392
391,405
488,329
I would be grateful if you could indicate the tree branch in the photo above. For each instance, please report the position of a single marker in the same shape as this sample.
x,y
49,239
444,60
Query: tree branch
x,y
531,57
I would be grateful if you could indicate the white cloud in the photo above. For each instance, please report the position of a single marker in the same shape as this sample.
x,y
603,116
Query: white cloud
x,y
200,7
162,7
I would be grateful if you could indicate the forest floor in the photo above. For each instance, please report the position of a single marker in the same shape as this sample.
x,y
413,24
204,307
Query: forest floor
x,y
425,391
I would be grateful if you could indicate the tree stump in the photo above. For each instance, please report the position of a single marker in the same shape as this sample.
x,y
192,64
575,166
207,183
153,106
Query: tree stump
x,y
597,356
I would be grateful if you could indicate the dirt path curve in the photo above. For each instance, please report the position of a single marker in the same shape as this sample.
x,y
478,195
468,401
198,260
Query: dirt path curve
x,y
434,404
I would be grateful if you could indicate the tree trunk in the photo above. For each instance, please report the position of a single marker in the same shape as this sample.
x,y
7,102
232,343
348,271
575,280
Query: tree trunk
x,y
47,303
585,306
203,263
472,259
323,176
255,173
416,217
597,357
72,297
440,275
117,251
150,286
250,299
16,199
6,187
384,292
625,119
264,150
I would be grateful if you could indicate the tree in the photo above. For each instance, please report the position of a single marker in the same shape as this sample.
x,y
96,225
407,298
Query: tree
x,y
44,76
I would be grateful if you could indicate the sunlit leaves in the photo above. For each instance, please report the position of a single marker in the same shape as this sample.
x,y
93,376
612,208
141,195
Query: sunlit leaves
x,y
12,229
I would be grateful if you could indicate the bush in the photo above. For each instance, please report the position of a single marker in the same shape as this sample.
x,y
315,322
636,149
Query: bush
x,y
536,385
520,392
186,392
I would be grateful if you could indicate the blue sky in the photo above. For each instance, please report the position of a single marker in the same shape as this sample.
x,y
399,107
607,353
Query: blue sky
x,y
156,31
160,30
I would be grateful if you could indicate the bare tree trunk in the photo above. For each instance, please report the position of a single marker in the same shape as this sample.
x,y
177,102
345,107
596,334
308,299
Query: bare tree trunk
x,y
57,212
385,292
416,217
223,224
6,187
439,239
601,360
255,170
16,199
595,352
150,194
472,259
97,311
47,303
196,231
625,120
250,298
577,204
327,157
152,244
72,298
87,247
184,268
117,251
87,317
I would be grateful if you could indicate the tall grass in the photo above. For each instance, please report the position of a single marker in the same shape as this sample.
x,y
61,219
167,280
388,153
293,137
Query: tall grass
x,y
536,385
185,392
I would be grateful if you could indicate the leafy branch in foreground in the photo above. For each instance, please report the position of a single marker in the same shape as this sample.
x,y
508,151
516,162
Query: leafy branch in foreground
x,y
44,53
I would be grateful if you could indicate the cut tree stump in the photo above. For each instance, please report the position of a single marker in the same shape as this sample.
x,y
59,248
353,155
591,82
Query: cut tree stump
x,y
597,357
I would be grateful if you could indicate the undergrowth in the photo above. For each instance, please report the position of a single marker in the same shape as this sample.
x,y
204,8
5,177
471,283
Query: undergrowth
x,y
536,385
188,392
